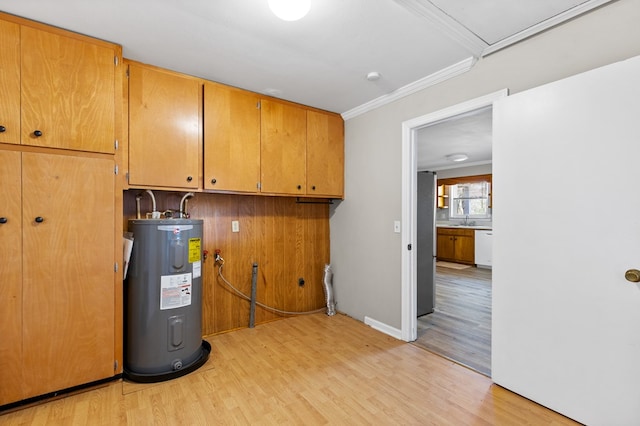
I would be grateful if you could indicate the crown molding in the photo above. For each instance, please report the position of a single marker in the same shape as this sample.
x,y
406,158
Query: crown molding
x,y
544,25
449,26
430,80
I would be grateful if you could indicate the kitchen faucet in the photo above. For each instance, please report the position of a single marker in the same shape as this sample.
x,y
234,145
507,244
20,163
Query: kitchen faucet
x,y
466,221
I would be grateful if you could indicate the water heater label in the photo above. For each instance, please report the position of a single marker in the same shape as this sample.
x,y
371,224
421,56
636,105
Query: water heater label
x,y
194,250
175,291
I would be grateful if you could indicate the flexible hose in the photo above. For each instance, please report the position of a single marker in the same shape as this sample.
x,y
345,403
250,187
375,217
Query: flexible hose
x,y
269,308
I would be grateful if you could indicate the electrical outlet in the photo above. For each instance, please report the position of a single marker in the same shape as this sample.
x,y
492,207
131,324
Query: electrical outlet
x,y
235,226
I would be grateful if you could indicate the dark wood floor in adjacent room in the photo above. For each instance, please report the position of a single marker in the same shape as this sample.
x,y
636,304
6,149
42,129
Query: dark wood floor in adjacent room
x,y
460,327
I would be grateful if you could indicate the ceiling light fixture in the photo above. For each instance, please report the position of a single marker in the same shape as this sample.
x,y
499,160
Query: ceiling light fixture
x,y
457,157
290,10
373,76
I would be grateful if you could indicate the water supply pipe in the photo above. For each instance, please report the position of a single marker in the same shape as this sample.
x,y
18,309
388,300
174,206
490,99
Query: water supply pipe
x,y
183,204
154,213
254,285
138,197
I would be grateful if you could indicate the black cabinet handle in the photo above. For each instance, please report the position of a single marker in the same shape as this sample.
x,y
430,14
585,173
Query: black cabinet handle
x,y
2,129
3,220
189,178
37,133
213,181
39,219
313,188
299,186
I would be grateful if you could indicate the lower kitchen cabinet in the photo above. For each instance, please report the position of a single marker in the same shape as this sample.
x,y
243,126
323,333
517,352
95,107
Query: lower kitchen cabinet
x,y
57,290
455,245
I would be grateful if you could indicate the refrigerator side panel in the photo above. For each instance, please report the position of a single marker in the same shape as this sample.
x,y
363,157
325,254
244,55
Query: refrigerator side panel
x,y
426,242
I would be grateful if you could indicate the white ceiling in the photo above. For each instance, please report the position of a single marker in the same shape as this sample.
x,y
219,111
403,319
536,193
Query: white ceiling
x,y
468,134
321,60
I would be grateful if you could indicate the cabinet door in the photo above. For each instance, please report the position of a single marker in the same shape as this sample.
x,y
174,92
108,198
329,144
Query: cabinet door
x,y
231,139
445,247
283,148
465,249
9,82
10,278
325,154
68,92
68,267
165,138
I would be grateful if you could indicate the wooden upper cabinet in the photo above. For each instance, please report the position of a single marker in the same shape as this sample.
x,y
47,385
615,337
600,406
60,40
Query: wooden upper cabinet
x,y
283,148
325,154
231,139
165,128
9,83
67,91
10,278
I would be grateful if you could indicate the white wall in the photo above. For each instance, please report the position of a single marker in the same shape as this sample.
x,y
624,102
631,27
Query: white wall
x,y
365,252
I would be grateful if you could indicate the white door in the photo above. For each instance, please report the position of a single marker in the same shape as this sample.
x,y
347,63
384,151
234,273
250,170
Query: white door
x,y
566,175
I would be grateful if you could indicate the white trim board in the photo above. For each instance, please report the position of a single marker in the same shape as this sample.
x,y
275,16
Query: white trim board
x,y
409,320
382,327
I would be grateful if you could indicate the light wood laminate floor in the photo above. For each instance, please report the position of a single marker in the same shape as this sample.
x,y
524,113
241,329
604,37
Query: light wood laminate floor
x,y
460,327
308,370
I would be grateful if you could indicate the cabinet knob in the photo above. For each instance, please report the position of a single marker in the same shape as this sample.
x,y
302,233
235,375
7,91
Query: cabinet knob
x,y
299,187
313,188
189,178
2,129
213,181
3,220
37,133
39,219
632,275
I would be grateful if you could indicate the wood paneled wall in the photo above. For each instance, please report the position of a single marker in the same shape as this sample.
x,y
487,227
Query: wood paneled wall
x,y
287,240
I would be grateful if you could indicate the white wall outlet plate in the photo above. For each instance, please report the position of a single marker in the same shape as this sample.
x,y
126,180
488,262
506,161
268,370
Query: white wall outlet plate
x,y
235,226
396,226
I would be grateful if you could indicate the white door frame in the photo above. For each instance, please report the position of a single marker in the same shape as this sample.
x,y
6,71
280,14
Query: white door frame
x,y
409,320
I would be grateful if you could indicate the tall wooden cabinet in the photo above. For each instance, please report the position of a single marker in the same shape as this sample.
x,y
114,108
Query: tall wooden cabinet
x,y
68,294
165,128
59,281
57,215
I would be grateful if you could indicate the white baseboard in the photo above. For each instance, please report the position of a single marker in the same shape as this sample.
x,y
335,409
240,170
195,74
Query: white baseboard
x,y
384,328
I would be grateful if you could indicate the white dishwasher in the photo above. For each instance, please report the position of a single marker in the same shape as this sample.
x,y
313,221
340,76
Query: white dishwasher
x,y
483,247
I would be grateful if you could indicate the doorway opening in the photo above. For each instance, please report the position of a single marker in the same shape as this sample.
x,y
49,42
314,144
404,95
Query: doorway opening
x,y
411,128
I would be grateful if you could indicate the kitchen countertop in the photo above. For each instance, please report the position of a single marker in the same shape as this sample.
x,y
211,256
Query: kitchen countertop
x,y
479,227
